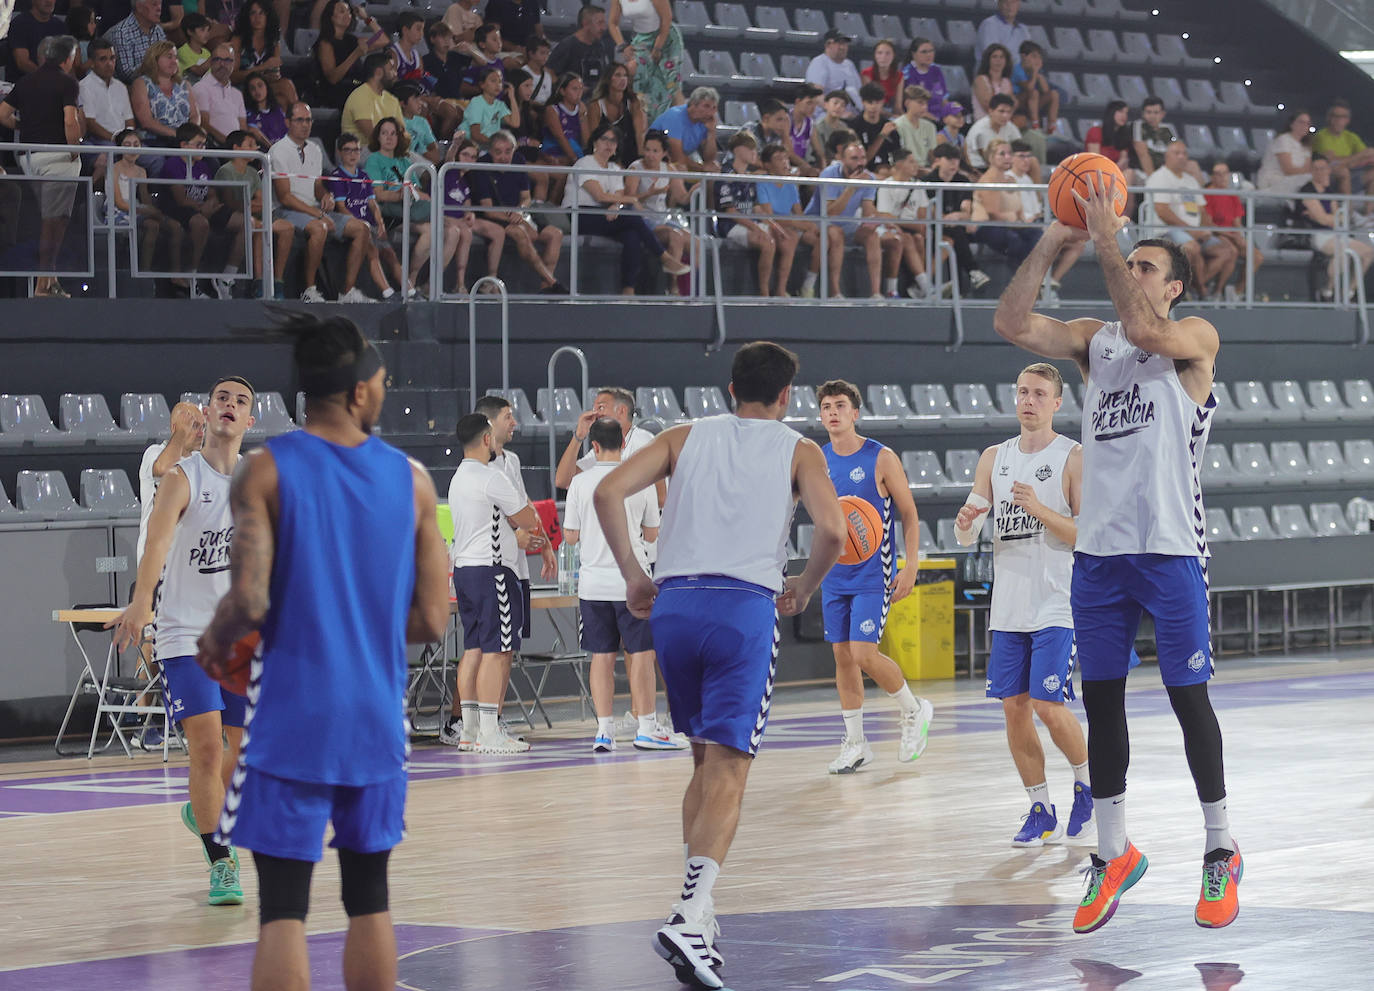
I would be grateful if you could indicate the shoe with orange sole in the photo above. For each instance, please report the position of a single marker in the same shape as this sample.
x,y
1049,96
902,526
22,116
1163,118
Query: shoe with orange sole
x,y
1107,882
1219,903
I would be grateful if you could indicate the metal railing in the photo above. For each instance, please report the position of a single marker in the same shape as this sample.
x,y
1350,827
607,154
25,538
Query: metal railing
x,y
578,354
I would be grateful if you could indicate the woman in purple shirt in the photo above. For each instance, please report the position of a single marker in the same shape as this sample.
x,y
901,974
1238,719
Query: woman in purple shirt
x,y
460,223
922,71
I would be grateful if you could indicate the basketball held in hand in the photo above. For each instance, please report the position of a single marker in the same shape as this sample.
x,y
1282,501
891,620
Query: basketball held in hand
x,y
865,530
240,663
1074,174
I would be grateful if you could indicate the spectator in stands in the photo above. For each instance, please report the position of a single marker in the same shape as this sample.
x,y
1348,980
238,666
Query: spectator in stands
x,y
463,19
781,200
565,129
1002,207
592,192
996,126
735,203
538,247
886,73
460,223
257,39
832,70
1033,210
588,51
161,99
104,102
410,30
372,100
518,20
222,109
486,112
804,145
42,107
283,234
298,185
339,53
444,65
922,71
353,194
1035,97
915,132
1002,28
1112,137
772,127
952,127
530,133
124,184
616,102
422,140
833,121
876,129
1325,216
27,31
1150,137
1178,203
1285,166
1227,210
691,130
907,206
536,67
196,205
387,165
487,54
955,208
194,56
265,116
653,45
658,196
1344,149
992,77
845,206
81,25
133,36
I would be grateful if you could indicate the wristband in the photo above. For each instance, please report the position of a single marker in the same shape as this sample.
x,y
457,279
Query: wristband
x,y
969,536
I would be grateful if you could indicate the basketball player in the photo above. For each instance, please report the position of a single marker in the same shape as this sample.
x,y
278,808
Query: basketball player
x,y
715,609
484,504
1029,487
1141,540
515,543
607,625
338,560
856,597
188,547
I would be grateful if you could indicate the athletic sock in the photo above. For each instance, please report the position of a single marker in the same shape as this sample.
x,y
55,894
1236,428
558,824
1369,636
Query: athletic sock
x,y
905,700
470,722
853,723
605,727
1040,793
686,855
697,883
810,281
1110,814
486,719
215,851
1080,772
889,285
923,282
648,725
1218,825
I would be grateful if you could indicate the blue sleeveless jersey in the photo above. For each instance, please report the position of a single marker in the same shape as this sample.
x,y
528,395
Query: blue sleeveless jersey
x,y
857,475
330,700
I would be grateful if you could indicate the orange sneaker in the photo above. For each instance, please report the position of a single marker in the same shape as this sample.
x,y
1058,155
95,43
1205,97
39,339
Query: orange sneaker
x,y
1107,881
1219,903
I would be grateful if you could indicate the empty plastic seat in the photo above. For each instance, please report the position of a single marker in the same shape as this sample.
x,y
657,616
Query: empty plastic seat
x,y
1133,89
1069,8
1199,96
923,471
805,533
944,535
776,18
1289,460
560,409
198,399
1219,528
300,408
46,494
887,404
1103,46
956,80
1068,45
1359,460
757,65
810,19
960,34
526,417
1252,523
961,465
1324,401
1070,413
1252,462
1068,82
1100,86
88,416
738,112
1217,469
661,402
1328,520
1226,408
1291,521
1200,141
690,16
1359,397
794,66
1172,51
890,26
10,514
931,405
704,400
106,492
1234,98
926,538
925,27
1232,141
1290,405
853,25
25,419
717,66
270,416
974,401
803,411
1325,460
1113,10
731,21
1260,138
145,414
563,13
1251,401
1136,48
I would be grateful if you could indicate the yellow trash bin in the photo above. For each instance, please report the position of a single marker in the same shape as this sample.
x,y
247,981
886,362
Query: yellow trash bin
x,y
920,629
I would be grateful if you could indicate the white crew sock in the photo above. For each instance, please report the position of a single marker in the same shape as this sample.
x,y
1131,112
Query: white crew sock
x,y
605,726
853,723
487,724
686,855
1040,793
923,282
889,285
1218,825
1080,772
388,292
648,725
697,883
905,700
470,722
1110,814
810,281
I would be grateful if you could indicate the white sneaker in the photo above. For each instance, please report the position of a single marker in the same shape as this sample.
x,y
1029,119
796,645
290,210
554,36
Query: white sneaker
x,y
662,738
689,946
627,727
916,732
312,295
1229,295
854,754
603,744
451,733
508,730
356,295
499,743
224,288
808,292
1048,295
679,738
977,279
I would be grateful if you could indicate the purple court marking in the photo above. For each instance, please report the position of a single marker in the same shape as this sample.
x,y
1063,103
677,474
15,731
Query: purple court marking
x,y
120,789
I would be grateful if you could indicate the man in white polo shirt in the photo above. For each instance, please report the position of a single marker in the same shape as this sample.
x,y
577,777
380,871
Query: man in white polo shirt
x,y
221,104
105,102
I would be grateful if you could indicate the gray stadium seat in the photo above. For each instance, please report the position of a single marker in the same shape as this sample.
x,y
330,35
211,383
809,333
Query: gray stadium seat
x,y
731,21
960,34
1291,520
1226,407
1113,10
1199,96
758,65
1234,98
26,419
1252,464
1103,46
1359,397
738,112
1251,523
88,416
560,409
944,535
961,465
932,407
1219,527
200,399
927,27
270,416
855,26
1324,401
300,409
803,411
145,413
1328,520
1260,138
1359,460
302,40
1289,460
974,400
1217,469
1068,82
923,471
660,401
1290,405
46,493
776,17
691,17
1173,51
1069,8
1200,141
888,402
106,492
1136,48
714,68
956,79
926,538
1325,459
9,514
1251,402
810,19
704,400
1067,45
1232,141
563,13
1070,413
1134,90
794,66
526,417
1102,87
890,26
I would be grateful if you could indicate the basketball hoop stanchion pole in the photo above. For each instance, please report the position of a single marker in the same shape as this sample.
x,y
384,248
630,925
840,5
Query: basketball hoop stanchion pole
x,y
553,406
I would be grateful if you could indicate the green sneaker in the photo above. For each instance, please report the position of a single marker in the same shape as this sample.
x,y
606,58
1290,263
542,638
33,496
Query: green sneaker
x,y
188,819
224,883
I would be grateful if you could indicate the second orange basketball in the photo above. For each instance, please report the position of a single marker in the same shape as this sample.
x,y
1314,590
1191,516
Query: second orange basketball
x,y
865,530
1075,173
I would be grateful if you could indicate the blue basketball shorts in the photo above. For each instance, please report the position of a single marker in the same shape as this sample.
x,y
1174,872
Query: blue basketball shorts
x,y
285,818
854,616
717,643
1039,663
607,626
491,604
1108,596
191,692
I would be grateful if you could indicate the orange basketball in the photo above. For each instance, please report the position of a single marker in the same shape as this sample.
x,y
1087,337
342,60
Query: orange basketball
x,y
865,525
241,664
1074,173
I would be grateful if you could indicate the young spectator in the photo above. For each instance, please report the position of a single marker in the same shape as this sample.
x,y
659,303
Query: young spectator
x,y
1033,209
488,55
907,205
27,31
298,186
538,247
265,117
773,125
845,206
81,25
518,20
283,234
1112,137
442,64
132,37
615,102
1341,146
194,57
339,53
372,100
658,195
1176,199
1000,207
955,208
463,19
486,112
1035,97
1001,28
124,183
781,200
1324,215
992,78
876,129
222,109
922,71
1286,164
652,47
996,126
1150,137
1227,210
104,101
565,125
197,206
804,144
461,224
257,39
952,127
529,135
410,30
422,140
691,130
588,51
832,70
915,132
352,191
594,193
834,121
735,201
885,72
161,99
387,165
536,67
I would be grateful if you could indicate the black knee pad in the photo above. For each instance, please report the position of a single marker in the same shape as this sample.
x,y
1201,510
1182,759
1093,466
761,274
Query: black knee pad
x,y
283,888
363,879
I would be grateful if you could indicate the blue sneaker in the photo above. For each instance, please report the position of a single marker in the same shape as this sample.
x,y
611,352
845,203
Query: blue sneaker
x,y
603,744
1040,827
1082,815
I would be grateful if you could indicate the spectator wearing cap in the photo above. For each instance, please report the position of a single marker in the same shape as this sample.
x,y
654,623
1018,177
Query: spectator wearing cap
x,y
1002,28
691,130
922,71
952,126
832,69
1345,150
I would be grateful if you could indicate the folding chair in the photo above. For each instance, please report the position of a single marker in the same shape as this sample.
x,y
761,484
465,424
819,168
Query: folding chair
x,y
428,679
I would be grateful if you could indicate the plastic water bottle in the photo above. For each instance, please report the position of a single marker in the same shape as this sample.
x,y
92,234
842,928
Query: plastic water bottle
x,y
565,569
576,566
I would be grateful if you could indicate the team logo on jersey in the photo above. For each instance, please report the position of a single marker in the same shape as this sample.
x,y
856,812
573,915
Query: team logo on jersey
x,y
1143,357
1004,469
1051,684
1121,413
987,685
211,555
1107,354
857,475
207,496
1044,472
1198,659
867,626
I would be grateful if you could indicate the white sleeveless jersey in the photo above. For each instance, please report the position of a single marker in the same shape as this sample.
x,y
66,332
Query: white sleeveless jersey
x,y
1143,438
730,505
196,574
1032,567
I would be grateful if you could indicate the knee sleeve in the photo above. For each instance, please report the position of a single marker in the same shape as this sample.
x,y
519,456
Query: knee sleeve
x,y
283,888
1109,745
363,879
1201,739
